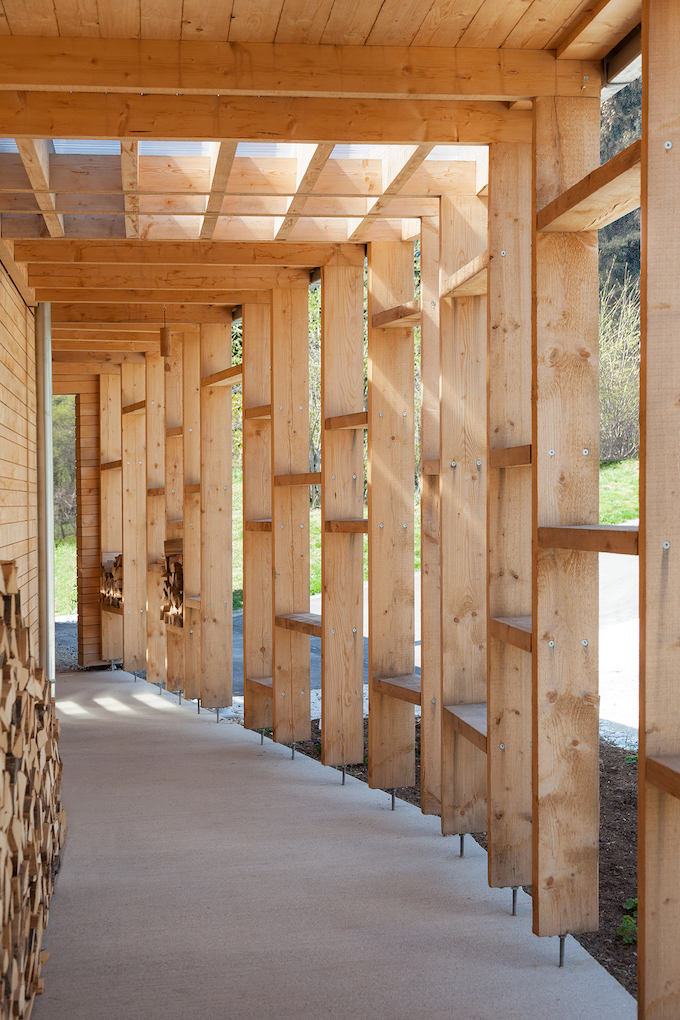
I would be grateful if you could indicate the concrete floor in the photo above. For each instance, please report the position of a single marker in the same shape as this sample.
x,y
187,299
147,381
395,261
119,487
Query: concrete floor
x,y
208,877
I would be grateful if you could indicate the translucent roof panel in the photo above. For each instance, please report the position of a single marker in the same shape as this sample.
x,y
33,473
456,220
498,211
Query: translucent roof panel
x,y
86,147
8,145
149,148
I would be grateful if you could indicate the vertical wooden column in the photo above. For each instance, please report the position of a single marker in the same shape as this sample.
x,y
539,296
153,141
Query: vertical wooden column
x,y
191,560
290,511
111,506
155,516
464,466
257,517
509,514
565,448
88,525
342,500
391,467
174,497
134,518
216,483
430,587
659,757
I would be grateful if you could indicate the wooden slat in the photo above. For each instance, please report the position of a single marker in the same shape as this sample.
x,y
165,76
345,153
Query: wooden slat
x,y
604,195
155,516
111,507
301,623
263,412
408,314
215,253
510,456
403,688
137,408
134,521
265,682
470,281
355,527
192,555
117,611
175,432
470,721
227,377
431,467
159,491
262,527
601,29
174,497
356,420
512,630
610,538
192,488
311,478
664,773
112,465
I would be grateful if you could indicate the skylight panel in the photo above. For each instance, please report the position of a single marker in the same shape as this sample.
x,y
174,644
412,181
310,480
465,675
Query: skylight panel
x,y
174,148
86,147
8,145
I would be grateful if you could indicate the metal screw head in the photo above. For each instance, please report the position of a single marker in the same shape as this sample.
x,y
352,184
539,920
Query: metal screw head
x,y
503,253
586,452
404,527
354,630
300,406
434,701
404,414
280,407
668,145
332,476
502,747
453,463
551,644
332,632
380,415
479,463
382,525
667,545
584,643
191,631
551,453
191,430
302,525
282,527
354,476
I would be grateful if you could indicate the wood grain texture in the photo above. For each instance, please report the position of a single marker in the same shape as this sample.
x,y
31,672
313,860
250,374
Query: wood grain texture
x,y
87,524
403,688
510,456
155,516
463,226
408,314
300,623
134,520
290,510
565,733
192,557
342,499
512,630
609,538
470,721
111,507
174,492
391,723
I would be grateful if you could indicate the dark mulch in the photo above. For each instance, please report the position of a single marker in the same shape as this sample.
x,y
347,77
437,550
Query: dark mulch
x,y
618,847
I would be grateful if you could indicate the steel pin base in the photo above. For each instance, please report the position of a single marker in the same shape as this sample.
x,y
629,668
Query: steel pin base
x,y
293,754
563,939
393,796
514,900
344,771
462,845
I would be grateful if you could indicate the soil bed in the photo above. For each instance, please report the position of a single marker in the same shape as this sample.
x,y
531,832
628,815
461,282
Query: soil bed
x,y
618,847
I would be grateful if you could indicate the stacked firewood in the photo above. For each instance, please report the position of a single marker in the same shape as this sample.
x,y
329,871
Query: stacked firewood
x,y
111,582
32,819
172,608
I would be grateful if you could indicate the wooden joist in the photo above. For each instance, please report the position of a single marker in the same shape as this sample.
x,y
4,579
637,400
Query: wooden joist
x,y
265,683
513,630
470,281
600,30
511,456
470,721
111,465
264,527
138,408
356,420
609,538
602,196
664,773
311,478
355,527
264,412
403,316
301,623
403,688
174,432
431,467
227,377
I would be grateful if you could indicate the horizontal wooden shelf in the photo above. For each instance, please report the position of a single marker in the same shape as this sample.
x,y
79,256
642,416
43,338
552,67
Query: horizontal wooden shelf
x,y
175,524
190,490
313,478
192,602
227,377
173,620
263,525
264,683
611,538
265,411
470,721
514,630
664,773
111,465
138,408
510,456
173,546
403,688
471,280
156,492
431,467
359,526
605,195
301,623
174,433
359,420
117,610
156,567
406,315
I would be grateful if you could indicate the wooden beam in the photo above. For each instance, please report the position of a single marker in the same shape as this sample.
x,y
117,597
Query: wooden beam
x,y
192,558
155,515
110,495
16,271
134,521
402,688
359,526
264,69
227,377
664,774
399,162
173,375
35,155
601,29
221,164
608,193
356,420
515,631
609,538
301,623
311,159
510,456
470,280
91,358
193,277
137,315
408,314
311,478
470,722
129,171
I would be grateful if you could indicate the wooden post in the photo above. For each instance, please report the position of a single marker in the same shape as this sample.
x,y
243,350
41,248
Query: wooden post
x,y
509,513
565,454
257,513
464,467
391,466
342,499
216,483
155,516
111,507
191,558
290,511
134,520
430,586
174,496
659,809
88,525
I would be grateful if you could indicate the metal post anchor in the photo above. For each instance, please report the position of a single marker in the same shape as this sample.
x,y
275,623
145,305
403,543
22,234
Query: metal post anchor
x,y
563,939
293,754
514,900
112,666
262,735
462,845
198,705
393,796
344,772
179,695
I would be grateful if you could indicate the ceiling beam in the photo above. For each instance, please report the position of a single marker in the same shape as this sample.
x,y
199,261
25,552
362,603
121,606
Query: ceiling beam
x,y
103,315
35,155
85,357
311,159
601,29
129,172
161,297
100,342
219,180
195,277
216,253
399,163
17,271
265,69
253,118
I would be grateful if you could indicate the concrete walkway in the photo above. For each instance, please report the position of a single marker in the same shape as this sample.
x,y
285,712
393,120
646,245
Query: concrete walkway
x,y
206,876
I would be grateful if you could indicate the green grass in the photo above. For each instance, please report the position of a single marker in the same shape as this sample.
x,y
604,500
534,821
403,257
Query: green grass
x,y
65,593
619,492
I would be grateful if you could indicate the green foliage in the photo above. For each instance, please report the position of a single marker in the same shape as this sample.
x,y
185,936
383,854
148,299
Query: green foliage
x,y
628,927
64,462
621,125
619,492
65,591
619,368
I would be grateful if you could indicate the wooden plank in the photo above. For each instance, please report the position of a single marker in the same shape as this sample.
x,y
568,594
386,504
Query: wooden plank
x,y
111,507
403,688
509,516
470,721
257,504
391,464
134,521
469,281
659,813
664,773
356,420
311,478
259,697
601,29
64,275
112,465
174,496
430,523
117,611
602,196
87,525
290,511
610,538
191,557
408,314
342,498
463,441
311,160
301,623
175,432
155,516
227,377
138,408
565,814
215,253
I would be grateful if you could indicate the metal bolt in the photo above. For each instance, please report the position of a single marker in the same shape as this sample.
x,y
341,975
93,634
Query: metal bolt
x,y
434,701
551,453
302,526
382,525
282,527
332,632
586,452
354,476
667,545
300,406
668,145
453,463
551,644
190,525
332,476
191,430
191,631
354,630
281,407
479,463
584,642
380,415
502,747
224,604
404,526
283,694
503,253
404,414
